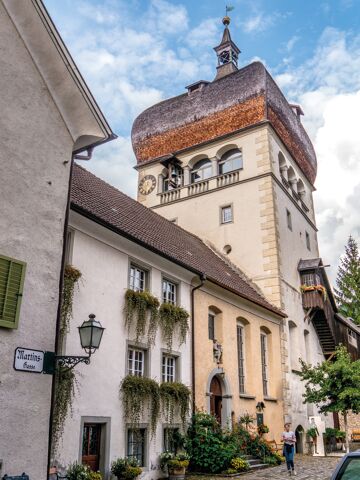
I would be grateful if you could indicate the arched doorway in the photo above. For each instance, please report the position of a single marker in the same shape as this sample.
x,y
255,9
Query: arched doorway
x,y
216,398
299,433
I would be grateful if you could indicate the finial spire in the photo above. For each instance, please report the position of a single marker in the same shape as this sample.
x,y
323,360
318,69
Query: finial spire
x,y
227,52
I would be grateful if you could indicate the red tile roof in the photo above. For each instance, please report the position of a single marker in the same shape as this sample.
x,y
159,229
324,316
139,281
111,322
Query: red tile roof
x,y
94,198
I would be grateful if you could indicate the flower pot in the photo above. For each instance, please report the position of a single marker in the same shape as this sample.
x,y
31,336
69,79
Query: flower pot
x,y
177,473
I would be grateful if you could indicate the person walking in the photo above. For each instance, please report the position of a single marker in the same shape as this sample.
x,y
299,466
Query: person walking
x,y
289,439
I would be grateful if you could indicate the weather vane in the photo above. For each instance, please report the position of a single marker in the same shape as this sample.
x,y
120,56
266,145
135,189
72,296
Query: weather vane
x,y
228,9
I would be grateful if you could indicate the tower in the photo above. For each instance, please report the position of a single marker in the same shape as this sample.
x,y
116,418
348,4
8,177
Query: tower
x,y
231,162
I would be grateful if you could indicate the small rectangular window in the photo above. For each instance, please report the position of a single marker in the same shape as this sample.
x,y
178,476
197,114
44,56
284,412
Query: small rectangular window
x,y
211,326
226,214
307,236
241,358
136,362
12,276
136,445
170,440
137,278
169,292
288,220
264,364
168,368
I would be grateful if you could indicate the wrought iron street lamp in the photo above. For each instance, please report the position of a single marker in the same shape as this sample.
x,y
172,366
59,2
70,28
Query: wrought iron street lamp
x,y
91,333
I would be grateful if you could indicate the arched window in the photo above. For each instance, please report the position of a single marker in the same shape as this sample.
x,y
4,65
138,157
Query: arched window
x,y
293,347
201,170
241,339
264,352
282,165
301,189
231,160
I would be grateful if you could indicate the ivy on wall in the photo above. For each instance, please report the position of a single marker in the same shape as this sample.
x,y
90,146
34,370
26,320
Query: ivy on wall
x,y
71,276
143,311
141,393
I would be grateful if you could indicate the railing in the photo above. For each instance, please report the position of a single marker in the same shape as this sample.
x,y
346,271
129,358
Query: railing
x,y
228,179
198,187
170,196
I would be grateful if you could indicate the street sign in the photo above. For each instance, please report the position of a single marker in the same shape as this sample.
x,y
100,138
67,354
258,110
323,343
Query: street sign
x,y
27,360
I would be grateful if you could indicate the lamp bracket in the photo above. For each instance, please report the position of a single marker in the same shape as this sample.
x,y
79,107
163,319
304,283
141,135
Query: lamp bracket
x,y
71,360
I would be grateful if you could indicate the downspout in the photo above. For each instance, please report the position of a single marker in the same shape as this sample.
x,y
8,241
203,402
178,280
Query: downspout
x,y
57,328
202,277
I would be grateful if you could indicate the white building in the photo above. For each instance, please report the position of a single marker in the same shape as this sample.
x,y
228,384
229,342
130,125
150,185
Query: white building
x,y
118,244
47,115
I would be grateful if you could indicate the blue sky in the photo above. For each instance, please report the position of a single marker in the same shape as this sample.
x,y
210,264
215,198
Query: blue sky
x,y
135,53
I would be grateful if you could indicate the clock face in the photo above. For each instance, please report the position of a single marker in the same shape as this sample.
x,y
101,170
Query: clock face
x,y
147,184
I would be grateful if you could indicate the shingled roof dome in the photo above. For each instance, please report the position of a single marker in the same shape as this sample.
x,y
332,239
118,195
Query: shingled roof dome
x,y
236,101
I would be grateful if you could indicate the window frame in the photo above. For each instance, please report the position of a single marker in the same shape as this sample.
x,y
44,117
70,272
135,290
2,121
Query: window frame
x,y
146,357
289,220
164,367
264,353
141,428
20,290
307,240
194,170
241,359
166,279
223,161
222,216
211,326
165,429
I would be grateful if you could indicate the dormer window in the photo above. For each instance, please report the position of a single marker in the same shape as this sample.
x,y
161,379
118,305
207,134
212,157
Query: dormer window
x,y
201,170
230,161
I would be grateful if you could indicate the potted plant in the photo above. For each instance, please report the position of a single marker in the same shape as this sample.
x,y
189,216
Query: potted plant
x,y
262,429
176,464
125,468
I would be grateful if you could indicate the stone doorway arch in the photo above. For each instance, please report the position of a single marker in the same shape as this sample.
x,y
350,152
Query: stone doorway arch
x,y
219,396
300,438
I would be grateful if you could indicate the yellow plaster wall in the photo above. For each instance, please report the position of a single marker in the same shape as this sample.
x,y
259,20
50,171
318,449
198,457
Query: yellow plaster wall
x,y
225,331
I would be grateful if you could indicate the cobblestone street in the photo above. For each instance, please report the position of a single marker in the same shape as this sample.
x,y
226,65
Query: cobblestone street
x,y
307,468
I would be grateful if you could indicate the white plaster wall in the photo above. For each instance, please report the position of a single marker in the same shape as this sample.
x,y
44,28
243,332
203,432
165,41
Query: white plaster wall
x,y
34,143
103,258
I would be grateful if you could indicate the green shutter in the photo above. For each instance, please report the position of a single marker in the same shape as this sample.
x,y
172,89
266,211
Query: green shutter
x,y
12,275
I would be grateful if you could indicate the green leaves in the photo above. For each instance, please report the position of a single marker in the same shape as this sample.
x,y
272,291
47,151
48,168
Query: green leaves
x,y
139,393
347,293
171,318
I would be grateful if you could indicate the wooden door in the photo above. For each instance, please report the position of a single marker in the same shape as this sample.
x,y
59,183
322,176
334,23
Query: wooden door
x,y
91,445
216,398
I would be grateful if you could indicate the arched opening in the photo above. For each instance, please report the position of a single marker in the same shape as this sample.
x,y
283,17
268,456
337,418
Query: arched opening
x,y
292,178
293,347
301,189
219,396
216,398
282,165
230,161
201,171
300,438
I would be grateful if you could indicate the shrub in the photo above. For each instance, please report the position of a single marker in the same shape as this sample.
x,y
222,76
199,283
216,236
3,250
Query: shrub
x,y
210,450
95,476
76,471
125,468
239,464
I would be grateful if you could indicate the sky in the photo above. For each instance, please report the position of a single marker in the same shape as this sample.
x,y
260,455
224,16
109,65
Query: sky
x,y
135,53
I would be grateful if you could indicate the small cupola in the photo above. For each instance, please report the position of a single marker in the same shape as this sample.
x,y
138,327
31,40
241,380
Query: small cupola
x,y
227,53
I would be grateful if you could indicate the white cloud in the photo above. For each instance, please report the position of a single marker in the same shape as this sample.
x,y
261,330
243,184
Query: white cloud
x,y
328,88
261,21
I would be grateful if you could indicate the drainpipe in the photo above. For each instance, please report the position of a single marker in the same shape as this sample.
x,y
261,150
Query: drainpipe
x,y
202,277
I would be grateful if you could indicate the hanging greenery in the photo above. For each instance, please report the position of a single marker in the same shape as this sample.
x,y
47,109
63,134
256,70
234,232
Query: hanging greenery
x,y
138,306
175,396
71,277
137,394
65,392
171,318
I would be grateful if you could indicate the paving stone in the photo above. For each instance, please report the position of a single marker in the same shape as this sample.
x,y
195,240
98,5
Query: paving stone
x,y
307,468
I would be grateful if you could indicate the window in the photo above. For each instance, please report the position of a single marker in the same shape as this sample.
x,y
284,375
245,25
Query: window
x,y
137,278
307,236
201,170
168,368
211,326
264,363
230,161
136,445
288,220
241,357
226,214
12,276
171,439
310,279
136,362
169,292
352,337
